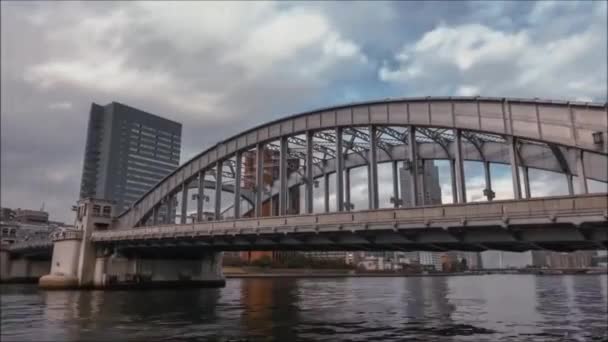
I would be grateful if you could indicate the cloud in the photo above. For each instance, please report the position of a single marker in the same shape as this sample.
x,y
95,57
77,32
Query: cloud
x,y
473,58
222,67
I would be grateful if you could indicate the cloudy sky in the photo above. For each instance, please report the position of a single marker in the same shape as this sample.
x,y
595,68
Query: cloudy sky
x,y
222,67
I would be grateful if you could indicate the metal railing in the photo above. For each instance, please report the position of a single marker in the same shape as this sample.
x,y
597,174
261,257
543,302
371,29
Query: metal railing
x,y
568,209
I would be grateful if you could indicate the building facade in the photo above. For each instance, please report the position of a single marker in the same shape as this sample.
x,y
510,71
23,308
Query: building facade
x,y
127,152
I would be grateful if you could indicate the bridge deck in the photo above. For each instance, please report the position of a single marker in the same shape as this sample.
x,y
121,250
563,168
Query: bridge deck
x,y
560,223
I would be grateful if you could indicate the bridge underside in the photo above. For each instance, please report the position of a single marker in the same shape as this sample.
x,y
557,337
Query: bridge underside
x,y
558,237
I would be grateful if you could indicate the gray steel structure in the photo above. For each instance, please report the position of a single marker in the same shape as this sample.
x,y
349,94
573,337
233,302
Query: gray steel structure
x,y
127,152
566,137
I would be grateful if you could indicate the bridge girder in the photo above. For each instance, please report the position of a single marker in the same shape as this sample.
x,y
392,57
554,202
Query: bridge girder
x,y
572,134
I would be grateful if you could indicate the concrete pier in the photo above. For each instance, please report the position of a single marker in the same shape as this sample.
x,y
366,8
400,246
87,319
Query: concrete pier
x,y
78,263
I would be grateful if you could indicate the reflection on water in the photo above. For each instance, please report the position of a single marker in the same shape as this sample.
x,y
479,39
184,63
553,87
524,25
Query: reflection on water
x,y
480,308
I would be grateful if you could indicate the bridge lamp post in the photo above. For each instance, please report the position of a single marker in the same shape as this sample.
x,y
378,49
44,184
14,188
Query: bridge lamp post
x,y
489,193
397,201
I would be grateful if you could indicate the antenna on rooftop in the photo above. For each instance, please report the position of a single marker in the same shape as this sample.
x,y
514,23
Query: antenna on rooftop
x,y
42,208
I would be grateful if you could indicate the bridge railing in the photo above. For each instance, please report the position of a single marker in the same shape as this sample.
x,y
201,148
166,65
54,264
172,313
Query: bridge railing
x,y
66,235
572,210
30,244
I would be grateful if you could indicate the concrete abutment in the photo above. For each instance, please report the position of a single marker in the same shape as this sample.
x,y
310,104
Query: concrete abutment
x,y
78,263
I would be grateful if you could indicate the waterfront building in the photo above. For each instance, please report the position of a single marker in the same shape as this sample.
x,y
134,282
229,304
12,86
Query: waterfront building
x,y
127,152
578,259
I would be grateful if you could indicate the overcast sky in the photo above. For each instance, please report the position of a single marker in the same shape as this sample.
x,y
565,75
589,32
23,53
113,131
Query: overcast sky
x,y
220,68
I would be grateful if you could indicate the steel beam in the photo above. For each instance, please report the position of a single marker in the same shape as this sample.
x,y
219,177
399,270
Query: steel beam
x,y
570,182
526,175
395,184
218,190
453,178
512,141
259,179
201,196
339,171
237,184
460,177
283,177
347,190
308,185
580,171
373,162
423,181
326,191
155,215
413,171
170,219
486,170
184,214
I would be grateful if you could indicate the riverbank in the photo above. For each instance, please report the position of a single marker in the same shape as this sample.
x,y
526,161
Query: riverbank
x,y
260,272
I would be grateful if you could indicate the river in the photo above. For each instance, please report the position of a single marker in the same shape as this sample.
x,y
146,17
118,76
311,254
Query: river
x,y
458,308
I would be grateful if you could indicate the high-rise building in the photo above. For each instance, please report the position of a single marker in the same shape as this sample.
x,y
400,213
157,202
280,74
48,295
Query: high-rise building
x,y
127,152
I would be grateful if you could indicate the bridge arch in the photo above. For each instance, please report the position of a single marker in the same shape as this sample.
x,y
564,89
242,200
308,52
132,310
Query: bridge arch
x,y
566,137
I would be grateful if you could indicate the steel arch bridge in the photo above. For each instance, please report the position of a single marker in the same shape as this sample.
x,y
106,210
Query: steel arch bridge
x,y
265,167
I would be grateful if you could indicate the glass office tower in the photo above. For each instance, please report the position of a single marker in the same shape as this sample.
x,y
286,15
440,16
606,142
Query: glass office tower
x,y
127,152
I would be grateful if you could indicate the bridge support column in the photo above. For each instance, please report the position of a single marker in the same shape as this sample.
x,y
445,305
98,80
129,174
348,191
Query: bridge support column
x,y
339,171
580,171
395,184
184,214
570,182
515,169
218,190
460,177
155,215
488,191
373,174
237,185
413,168
423,181
283,176
172,208
308,193
200,198
349,205
259,179
453,178
326,191
526,176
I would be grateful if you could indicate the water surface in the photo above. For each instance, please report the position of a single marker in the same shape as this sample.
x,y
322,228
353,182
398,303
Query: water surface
x,y
459,308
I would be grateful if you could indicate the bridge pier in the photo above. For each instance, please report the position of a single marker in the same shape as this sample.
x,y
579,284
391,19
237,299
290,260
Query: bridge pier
x,y
78,262
134,270
21,268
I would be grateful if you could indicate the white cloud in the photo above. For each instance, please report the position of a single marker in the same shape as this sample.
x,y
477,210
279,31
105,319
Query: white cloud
x,y
466,90
228,45
479,59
